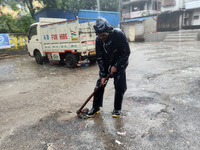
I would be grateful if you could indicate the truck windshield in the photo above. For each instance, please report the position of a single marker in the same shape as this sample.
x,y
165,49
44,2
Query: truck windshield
x,y
32,32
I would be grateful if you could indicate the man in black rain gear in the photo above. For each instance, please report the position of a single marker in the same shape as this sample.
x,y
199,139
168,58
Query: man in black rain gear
x,y
112,52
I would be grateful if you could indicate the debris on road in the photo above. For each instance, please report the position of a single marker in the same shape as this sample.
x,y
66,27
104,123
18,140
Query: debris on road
x,y
50,146
118,142
83,113
121,133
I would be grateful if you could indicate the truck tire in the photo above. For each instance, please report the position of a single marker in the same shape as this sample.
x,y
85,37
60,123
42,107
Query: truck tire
x,y
38,58
71,60
45,59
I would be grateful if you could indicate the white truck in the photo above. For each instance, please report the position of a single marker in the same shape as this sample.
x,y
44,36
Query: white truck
x,y
62,40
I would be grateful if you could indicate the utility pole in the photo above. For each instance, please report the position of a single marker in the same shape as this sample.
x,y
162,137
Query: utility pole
x,y
157,18
98,5
120,9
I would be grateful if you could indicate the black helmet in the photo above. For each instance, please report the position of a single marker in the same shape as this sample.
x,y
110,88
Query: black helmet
x,y
101,25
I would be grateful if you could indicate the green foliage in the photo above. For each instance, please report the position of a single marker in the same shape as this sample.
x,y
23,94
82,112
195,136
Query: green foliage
x,y
75,5
7,21
23,23
8,24
31,8
56,4
3,26
13,5
109,5
88,4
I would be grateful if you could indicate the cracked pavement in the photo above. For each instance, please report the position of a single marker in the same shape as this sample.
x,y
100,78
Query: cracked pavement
x,y
161,107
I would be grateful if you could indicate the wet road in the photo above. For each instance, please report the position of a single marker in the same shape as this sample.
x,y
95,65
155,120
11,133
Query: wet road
x,y
161,107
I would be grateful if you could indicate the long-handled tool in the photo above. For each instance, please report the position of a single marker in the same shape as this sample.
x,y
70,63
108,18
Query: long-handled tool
x,y
79,111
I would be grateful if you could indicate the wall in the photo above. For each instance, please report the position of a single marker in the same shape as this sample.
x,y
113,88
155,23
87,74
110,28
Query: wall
x,y
192,4
196,21
172,7
18,44
17,41
52,13
138,33
139,30
198,38
142,13
112,17
150,25
125,29
154,37
141,27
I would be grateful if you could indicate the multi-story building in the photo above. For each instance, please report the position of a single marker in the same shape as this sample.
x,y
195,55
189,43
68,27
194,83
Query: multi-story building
x,y
139,17
169,15
191,16
139,8
179,14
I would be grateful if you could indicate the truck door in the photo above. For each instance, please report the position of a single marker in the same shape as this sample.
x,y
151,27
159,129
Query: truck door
x,y
33,40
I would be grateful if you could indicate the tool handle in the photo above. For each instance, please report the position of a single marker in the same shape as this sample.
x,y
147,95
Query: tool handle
x,y
78,111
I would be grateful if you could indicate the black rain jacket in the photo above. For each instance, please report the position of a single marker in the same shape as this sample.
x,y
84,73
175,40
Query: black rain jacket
x,y
114,51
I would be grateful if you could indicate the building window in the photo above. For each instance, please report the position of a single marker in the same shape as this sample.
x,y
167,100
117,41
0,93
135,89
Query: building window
x,y
138,6
196,17
168,3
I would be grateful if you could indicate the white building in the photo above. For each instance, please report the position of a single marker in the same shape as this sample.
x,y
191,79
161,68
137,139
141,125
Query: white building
x,y
172,5
139,17
139,8
172,15
191,16
184,13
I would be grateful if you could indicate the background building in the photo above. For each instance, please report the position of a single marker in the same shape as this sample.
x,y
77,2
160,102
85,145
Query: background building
x,y
179,14
139,17
191,15
139,8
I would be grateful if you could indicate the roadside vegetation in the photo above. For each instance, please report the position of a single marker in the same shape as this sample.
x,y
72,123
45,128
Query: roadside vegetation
x,y
25,17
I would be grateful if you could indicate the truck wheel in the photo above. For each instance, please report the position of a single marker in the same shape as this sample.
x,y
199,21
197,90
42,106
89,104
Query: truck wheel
x,y
46,59
38,58
71,61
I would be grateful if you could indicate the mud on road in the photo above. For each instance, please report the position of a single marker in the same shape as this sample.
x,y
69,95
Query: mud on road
x,y
161,107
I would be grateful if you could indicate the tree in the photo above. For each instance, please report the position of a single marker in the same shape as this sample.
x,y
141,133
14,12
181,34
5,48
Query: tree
x,y
31,7
109,5
73,5
10,24
7,19
56,4
6,23
23,23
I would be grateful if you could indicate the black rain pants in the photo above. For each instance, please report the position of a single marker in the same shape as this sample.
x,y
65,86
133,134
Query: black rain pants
x,y
120,88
